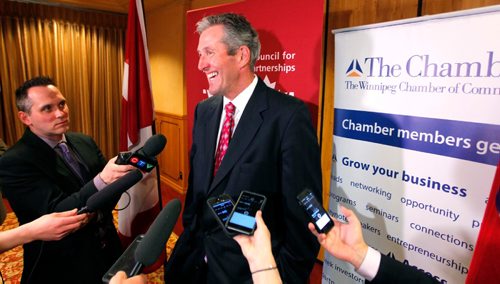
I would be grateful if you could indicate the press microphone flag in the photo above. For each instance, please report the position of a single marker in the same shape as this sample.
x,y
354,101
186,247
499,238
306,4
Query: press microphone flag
x,y
102,198
152,147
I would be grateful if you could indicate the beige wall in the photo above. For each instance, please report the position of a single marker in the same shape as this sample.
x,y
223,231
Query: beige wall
x,y
166,39
165,28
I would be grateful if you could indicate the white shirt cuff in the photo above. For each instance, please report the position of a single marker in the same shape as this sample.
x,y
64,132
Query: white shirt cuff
x,y
370,265
99,183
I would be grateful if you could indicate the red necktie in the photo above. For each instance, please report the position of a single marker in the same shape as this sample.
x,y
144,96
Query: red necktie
x,y
225,136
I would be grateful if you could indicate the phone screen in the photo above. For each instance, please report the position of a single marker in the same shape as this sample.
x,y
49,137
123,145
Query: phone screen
x,y
222,208
125,262
317,214
242,218
141,162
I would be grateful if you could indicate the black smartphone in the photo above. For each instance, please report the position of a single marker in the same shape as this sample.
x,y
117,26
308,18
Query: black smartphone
x,y
315,211
125,262
141,162
221,207
242,218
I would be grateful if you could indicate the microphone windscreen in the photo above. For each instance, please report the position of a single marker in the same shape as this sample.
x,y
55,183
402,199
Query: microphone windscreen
x,y
102,198
154,145
153,244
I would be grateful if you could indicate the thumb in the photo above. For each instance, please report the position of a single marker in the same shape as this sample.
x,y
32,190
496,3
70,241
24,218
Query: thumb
x,y
118,278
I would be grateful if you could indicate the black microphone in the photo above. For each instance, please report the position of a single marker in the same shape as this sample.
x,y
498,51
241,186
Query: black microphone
x,y
153,243
102,198
151,148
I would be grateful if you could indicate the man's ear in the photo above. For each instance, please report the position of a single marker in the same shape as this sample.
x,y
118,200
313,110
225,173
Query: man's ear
x,y
24,117
244,56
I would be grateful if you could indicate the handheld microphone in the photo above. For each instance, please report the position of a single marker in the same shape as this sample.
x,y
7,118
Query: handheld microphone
x,y
154,240
153,146
102,198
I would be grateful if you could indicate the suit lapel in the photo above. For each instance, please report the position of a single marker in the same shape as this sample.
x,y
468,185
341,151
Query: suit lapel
x,y
245,132
210,120
48,160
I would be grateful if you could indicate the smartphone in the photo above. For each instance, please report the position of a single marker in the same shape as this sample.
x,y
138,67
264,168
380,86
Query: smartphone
x,y
221,207
315,211
242,218
125,262
141,162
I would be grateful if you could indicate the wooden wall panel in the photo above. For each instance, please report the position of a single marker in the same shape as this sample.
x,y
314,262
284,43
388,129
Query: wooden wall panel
x,y
360,12
430,7
173,159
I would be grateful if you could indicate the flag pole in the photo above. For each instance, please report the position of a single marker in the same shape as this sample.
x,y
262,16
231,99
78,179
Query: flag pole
x,y
153,130
153,127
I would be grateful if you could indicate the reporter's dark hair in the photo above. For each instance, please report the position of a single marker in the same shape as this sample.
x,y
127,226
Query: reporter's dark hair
x,y
22,102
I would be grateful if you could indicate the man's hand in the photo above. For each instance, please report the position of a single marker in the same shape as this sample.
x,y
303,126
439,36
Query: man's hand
x,y
112,171
345,240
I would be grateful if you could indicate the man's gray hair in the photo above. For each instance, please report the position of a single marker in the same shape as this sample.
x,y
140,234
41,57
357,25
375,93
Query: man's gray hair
x,y
237,32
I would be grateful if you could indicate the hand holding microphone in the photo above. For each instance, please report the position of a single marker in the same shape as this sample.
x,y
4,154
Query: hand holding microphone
x,y
103,198
113,171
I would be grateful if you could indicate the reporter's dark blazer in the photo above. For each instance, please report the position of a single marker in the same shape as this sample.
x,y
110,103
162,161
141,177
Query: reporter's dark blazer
x,y
36,181
393,271
274,152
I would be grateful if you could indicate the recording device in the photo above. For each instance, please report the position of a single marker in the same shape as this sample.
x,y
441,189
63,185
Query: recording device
x,y
242,218
221,207
144,158
110,193
146,249
316,213
126,262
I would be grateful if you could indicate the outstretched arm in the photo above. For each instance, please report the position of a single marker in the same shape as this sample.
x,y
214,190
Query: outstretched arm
x,y
49,227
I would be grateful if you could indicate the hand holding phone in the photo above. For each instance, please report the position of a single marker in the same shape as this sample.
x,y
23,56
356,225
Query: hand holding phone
x,y
242,218
315,211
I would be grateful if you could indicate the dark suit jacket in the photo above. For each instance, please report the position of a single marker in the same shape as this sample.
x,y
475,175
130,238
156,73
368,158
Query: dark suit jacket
x,y
274,152
393,271
36,181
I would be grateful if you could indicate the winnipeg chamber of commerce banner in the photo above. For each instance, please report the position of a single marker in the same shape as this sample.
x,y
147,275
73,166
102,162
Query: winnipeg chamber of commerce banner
x,y
417,137
290,33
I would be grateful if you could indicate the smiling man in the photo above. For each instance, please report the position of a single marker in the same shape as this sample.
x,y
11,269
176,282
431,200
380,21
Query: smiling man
x,y
52,170
245,137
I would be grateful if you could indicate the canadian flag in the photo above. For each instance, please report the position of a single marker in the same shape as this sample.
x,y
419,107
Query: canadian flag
x,y
141,205
485,265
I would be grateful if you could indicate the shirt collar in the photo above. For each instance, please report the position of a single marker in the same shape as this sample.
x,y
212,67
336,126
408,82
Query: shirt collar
x,y
53,144
242,98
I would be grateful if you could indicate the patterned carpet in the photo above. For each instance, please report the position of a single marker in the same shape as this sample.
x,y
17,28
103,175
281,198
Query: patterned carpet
x,y
11,262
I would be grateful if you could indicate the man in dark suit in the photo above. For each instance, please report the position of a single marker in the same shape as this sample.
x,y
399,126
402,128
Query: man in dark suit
x,y
273,151
37,179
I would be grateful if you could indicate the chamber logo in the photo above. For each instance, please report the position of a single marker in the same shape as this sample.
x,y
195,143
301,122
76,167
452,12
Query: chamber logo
x,y
354,69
